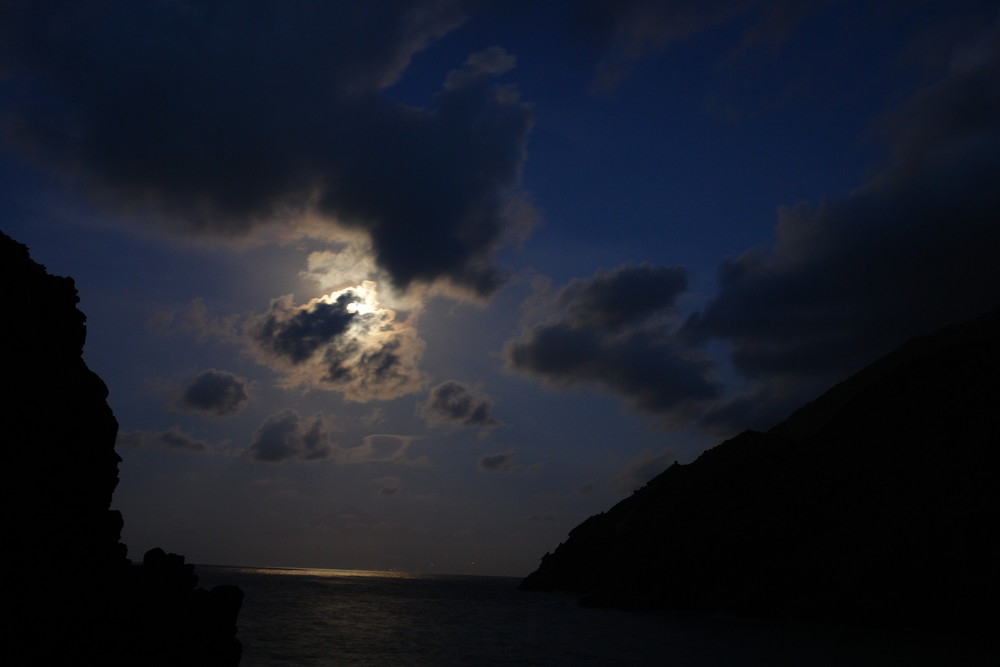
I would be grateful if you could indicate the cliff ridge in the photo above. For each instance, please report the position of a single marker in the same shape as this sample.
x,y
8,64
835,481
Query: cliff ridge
x,y
74,595
876,504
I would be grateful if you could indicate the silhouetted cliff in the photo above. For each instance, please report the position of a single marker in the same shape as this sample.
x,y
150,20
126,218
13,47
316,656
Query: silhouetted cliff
x,y
876,504
72,595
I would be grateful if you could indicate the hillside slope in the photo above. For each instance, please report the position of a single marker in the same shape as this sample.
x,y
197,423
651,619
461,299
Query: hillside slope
x,y
876,504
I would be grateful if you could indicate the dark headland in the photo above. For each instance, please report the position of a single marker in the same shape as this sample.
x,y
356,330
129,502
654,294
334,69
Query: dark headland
x,y
71,595
876,504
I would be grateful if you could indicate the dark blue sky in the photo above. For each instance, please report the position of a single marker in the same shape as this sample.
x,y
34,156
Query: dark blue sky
x,y
421,285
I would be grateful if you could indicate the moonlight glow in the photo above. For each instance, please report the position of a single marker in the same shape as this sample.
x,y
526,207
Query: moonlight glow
x,y
366,295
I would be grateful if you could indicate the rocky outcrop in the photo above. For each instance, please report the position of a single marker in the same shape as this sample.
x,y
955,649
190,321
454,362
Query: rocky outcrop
x,y
71,594
876,504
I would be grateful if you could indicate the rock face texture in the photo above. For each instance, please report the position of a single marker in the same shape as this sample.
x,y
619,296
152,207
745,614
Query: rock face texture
x,y
877,504
72,594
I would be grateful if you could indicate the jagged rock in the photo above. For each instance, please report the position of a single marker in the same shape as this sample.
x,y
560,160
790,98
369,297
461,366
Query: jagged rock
x,y
75,597
876,504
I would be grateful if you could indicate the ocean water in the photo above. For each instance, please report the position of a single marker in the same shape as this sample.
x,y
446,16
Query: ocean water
x,y
341,617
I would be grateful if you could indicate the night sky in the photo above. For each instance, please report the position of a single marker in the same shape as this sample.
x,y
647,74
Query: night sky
x,y
422,284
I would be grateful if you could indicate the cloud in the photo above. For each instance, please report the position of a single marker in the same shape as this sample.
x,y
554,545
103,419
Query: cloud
x,y
384,447
453,403
173,439
295,333
433,193
388,486
334,270
913,249
219,117
345,341
504,462
614,331
213,392
285,437
498,462
626,296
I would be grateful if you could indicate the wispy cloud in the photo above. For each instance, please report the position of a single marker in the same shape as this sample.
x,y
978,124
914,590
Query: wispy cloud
x,y
173,439
505,462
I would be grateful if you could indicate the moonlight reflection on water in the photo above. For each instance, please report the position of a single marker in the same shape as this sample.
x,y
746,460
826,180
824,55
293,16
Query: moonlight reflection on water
x,y
317,618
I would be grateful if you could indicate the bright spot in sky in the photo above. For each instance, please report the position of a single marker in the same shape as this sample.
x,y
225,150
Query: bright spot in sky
x,y
344,341
366,295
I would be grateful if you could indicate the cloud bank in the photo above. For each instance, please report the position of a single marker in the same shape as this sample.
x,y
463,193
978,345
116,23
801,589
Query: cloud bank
x,y
844,281
217,117
913,249
615,331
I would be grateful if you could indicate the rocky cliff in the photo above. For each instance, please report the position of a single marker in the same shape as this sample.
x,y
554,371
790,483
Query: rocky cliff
x,y
876,504
72,594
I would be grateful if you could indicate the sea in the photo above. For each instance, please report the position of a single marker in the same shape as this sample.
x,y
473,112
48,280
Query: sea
x,y
307,617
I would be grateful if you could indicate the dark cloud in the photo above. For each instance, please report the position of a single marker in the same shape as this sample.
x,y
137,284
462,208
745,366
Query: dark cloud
x,y
504,462
173,438
344,342
498,462
216,117
296,333
913,249
626,296
602,333
214,392
453,403
286,437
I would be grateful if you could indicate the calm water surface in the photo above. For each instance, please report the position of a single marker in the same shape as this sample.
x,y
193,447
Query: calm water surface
x,y
340,617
